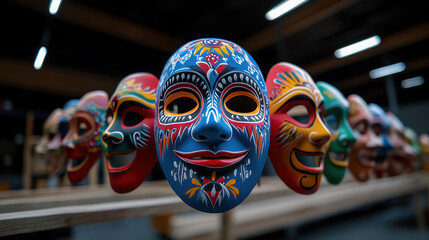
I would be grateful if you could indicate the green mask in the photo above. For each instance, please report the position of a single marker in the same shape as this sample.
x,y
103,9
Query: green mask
x,y
337,112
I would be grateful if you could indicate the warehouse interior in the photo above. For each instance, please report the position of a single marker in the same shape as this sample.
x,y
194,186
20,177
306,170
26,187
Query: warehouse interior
x,y
92,45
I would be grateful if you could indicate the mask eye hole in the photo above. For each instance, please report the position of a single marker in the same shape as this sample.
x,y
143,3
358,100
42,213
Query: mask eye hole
x,y
361,127
299,113
82,128
242,103
377,129
332,122
180,103
132,118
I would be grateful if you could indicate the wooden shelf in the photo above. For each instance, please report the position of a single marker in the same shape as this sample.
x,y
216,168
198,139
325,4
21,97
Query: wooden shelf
x,y
270,206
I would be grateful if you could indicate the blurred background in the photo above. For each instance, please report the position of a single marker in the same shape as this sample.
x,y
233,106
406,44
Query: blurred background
x,y
92,45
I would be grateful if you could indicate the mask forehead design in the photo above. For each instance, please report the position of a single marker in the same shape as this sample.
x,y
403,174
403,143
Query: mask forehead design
x,y
82,141
212,121
342,136
128,135
299,136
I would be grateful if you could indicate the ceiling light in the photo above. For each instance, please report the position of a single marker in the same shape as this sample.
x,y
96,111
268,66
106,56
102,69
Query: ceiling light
x,y
283,8
387,70
53,7
412,82
357,47
40,58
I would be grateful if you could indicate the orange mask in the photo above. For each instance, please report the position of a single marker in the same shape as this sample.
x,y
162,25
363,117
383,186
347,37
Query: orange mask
x,y
299,137
363,152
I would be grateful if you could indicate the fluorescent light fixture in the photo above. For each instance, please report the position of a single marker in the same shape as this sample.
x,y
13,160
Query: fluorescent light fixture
x,y
412,82
283,8
387,70
40,58
53,8
357,47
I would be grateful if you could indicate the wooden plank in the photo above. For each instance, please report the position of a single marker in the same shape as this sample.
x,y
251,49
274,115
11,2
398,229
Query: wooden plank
x,y
78,195
227,226
313,13
262,210
109,24
27,165
258,217
53,79
406,37
45,219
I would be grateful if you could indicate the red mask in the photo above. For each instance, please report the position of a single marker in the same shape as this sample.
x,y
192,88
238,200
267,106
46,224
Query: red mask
x,y
82,141
128,136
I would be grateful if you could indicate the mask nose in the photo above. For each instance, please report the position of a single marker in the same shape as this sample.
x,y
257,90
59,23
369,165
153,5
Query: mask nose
x,y
321,136
67,144
346,137
212,132
114,137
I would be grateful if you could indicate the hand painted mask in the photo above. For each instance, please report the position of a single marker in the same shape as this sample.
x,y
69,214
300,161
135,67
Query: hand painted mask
x,y
363,152
299,137
403,155
50,129
342,136
55,153
63,124
413,139
380,124
82,141
424,144
212,124
127,136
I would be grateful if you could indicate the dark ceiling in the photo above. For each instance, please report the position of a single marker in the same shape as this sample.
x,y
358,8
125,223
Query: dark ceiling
x,y
93,44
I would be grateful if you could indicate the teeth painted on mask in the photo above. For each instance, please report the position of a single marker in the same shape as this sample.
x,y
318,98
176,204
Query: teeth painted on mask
x,y
235,77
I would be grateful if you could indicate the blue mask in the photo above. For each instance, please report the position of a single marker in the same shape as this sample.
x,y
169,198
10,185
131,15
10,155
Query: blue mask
x,y
212,124
380,125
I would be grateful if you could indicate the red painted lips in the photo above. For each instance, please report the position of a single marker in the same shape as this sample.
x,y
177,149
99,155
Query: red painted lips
x,y
211,159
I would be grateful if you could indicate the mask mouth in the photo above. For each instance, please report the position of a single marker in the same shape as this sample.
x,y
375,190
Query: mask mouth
x,y
311,161
339,159
75,164
118,162
220,159
367,157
